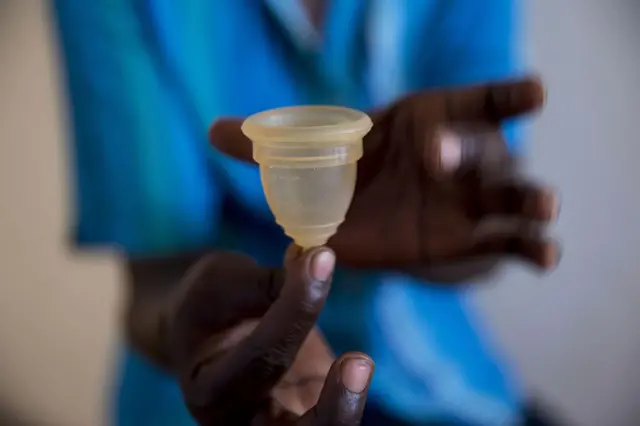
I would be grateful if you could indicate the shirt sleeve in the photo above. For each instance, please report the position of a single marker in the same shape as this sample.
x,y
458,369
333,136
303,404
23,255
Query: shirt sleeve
x,y
141,178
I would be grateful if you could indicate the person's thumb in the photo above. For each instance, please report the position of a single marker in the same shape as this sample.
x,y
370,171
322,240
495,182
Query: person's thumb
x,y
344,394
225,135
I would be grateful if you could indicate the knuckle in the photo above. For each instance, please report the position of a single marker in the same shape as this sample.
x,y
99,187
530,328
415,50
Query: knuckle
x,y
313,295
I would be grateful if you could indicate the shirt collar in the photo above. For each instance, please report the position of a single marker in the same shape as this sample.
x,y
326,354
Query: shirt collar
x,y
296,23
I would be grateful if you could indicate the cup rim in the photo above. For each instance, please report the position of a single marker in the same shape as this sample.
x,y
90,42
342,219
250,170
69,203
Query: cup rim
x,y
355,126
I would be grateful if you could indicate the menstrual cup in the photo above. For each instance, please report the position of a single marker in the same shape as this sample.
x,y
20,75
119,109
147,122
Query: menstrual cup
x,y
308,164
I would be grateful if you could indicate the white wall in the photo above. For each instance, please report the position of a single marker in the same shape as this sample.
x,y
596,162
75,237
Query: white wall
x,y
572,334
575,333
57,313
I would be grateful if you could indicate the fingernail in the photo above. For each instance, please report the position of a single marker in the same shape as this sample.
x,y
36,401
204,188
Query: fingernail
x,y
553,201
322,265
552,257
545,205
355,374
450,151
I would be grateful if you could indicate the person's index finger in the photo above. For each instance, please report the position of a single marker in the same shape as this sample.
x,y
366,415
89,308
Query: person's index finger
x,y
496,101
225,134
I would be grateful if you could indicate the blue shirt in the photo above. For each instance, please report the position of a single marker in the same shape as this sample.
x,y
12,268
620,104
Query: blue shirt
x,y
145,79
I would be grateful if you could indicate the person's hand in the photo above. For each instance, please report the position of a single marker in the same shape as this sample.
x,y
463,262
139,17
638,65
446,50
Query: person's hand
x,y
245,347
435,170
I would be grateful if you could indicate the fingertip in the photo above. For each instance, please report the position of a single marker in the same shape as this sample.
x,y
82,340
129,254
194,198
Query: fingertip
x,y
543,254
344,394
535,90
551,254
221,128
514,98
306,257
356,371
321,264
308,276
548,205
541,203
307,282
225,134
555,203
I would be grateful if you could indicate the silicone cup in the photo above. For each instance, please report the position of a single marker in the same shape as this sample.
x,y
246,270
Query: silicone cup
x,y
308,165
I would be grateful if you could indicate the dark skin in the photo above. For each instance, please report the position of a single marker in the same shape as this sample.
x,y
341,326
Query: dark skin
x,y
210,304
428,183
230,369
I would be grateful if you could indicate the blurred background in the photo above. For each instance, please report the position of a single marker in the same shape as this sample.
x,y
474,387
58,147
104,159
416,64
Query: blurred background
x,y
574,334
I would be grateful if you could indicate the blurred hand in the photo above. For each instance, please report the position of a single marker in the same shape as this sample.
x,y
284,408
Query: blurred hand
x,y
246,350
435,174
